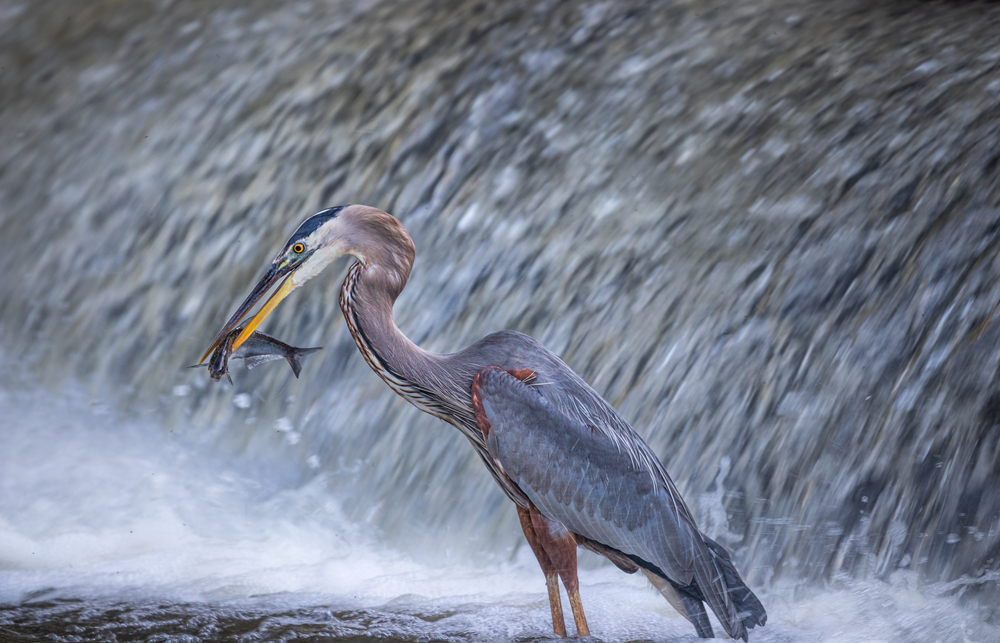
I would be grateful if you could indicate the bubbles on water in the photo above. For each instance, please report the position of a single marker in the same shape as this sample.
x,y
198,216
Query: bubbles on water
x,y
284,425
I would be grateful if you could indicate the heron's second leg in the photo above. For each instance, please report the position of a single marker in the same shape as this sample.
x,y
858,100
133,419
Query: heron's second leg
x,y
560,545
689,607
548,568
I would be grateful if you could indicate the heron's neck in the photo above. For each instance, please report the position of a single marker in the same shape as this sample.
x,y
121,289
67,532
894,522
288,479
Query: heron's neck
x,y
366,298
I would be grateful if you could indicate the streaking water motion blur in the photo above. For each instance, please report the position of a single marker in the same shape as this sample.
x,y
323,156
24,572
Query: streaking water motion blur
x,y
766,232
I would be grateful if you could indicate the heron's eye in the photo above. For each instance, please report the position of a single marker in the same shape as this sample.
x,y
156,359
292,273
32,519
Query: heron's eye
x,y
298,248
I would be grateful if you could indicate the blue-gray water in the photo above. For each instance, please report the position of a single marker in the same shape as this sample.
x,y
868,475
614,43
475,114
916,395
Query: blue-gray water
x,y
765,231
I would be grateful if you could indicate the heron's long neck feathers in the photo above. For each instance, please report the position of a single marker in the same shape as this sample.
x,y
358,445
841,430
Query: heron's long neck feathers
x,y
418,376
366,299
436,384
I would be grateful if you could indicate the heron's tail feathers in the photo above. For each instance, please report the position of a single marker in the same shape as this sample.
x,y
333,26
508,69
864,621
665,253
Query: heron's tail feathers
x,y
687,603
729,597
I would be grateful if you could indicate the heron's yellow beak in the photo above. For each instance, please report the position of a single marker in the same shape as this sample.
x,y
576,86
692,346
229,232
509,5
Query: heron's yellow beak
x,y
279,294
273,276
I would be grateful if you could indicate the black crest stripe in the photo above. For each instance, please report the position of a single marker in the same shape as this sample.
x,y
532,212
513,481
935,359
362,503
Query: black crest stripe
x,y
313,223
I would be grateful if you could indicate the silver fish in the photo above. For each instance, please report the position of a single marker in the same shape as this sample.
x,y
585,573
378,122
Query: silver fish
x,y
256,350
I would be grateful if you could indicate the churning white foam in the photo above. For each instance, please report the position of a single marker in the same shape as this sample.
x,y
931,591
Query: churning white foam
x,y
96,507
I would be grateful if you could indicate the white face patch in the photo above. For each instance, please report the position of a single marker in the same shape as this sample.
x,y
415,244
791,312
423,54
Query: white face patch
x,y
317,262
331,247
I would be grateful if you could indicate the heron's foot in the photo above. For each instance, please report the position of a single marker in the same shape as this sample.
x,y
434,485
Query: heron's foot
x,y
555,604
578,615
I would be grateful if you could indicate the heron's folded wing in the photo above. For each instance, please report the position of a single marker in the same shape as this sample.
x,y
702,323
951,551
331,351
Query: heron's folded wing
x,y
579,477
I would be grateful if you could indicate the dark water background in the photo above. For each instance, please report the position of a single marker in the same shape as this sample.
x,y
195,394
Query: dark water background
x,y
765,231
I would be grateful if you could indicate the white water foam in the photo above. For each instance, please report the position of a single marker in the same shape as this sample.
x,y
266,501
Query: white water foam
x,y
97,508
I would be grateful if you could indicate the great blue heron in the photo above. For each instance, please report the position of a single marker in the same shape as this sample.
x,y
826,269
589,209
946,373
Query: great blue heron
x,y
578,473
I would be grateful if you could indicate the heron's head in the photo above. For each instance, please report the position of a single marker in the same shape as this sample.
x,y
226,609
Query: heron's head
x,y
359,230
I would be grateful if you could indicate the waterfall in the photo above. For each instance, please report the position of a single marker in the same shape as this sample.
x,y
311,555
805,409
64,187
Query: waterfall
x,y
766,232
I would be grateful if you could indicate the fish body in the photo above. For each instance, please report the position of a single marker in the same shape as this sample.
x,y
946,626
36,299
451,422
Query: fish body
x,y
260,348
256,350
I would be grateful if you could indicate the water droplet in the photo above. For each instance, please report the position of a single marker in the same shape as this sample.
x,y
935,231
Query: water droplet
x,y
952,539
242,401
181,390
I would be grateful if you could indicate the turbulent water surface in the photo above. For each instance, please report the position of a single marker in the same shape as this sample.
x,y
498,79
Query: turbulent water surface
x,y
765,231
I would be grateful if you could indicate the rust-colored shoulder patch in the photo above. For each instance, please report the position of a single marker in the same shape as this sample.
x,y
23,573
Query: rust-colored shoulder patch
x,y
526,375
477,402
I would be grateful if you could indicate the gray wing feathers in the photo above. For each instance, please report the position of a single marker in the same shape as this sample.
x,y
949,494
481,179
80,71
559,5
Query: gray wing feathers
x,y
603,489
572,397
573,474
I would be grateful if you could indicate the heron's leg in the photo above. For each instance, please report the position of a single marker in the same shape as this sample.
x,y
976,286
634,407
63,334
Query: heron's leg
x,y
560,545
548,568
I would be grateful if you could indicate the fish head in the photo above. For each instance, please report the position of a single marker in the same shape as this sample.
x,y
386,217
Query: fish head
x,y
318,241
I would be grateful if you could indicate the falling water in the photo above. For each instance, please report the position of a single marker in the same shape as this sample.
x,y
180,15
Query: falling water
x,y
765,231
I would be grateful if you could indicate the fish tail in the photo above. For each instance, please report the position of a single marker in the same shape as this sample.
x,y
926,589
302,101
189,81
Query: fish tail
x,y
293,358
293,361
